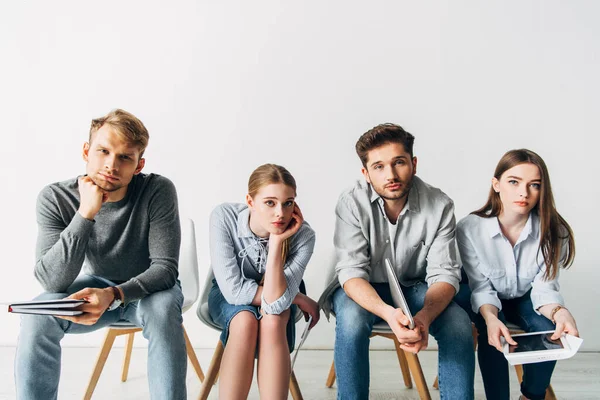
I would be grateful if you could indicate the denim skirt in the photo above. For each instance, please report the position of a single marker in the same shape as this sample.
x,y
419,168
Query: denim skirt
x,y
222,313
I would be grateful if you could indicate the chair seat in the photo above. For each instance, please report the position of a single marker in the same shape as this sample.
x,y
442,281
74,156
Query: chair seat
x,y
382,327
122,325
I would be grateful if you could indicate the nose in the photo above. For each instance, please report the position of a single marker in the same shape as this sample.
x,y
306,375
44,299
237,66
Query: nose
x,y
110,163
391,174
278,210
524,192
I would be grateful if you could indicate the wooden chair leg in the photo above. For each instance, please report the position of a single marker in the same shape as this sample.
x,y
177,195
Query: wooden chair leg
x,y
192,356
331,377
550,394
104,351
519,371
211,374
417,374
127,357
403,365
294,388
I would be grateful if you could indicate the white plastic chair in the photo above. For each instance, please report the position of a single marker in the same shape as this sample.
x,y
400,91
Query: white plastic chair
x,y
215,362
188,276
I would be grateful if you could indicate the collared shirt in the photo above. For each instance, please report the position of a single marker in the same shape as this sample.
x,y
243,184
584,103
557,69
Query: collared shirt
x,y
239,257
497,270
423,247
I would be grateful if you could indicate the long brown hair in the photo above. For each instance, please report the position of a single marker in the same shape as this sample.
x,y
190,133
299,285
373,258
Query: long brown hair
x,y
553,227
268,174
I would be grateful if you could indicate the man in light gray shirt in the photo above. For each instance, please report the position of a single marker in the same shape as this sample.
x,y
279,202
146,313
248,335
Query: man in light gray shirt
x,y
394,214
110,237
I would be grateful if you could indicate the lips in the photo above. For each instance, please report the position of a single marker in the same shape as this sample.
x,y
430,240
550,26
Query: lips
x,y
109,178
393,186
279,223
522,203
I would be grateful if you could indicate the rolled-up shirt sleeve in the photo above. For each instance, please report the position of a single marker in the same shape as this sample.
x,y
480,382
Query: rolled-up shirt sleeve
x,y
235,289
441,258
302,248
482,290
548,291
351,245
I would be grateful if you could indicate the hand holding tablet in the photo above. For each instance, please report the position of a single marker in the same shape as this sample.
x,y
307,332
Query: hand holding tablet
x,y
539,346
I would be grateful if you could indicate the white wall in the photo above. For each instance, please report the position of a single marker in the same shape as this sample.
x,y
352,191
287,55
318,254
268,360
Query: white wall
x,y
226,86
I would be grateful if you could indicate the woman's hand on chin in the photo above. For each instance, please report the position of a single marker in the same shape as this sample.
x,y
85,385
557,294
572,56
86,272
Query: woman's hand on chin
x,y
292,228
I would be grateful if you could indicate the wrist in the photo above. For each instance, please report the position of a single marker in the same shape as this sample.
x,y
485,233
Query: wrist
x,y
388,313
424,317
86,214
117,295
558,313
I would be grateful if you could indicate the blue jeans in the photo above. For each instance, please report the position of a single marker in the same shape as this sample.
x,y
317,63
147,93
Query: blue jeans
x,y
493,365
37,361
451,329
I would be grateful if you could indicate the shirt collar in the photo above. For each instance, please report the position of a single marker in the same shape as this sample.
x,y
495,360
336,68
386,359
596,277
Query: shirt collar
x,y
531,227
411,205
243,225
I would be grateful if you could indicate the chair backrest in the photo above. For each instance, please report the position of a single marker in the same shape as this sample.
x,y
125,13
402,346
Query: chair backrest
x,y
202,310
188,263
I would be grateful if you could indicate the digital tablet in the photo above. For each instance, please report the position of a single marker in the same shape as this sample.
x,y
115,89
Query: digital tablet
x,y
536,344
397,296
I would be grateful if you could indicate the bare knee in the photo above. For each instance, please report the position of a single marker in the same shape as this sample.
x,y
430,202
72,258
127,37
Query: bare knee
x,y
244,326
274,324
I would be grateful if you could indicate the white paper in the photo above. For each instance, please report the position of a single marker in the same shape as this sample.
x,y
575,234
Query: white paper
x,y
302,339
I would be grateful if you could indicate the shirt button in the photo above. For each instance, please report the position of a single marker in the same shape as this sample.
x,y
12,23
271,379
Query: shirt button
x,y
387,240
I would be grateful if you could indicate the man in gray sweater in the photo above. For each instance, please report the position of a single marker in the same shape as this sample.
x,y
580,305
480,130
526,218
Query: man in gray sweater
x,y
110,237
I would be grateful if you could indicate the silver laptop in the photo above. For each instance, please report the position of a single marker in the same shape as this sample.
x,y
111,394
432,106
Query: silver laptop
x,y
397,296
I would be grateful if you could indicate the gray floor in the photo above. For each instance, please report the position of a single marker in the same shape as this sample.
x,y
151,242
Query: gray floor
x,y
576,378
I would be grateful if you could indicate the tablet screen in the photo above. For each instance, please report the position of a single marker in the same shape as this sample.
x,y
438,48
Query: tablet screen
x,y
534,343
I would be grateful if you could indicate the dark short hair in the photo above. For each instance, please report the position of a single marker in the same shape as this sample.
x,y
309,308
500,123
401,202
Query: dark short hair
x,y
380,135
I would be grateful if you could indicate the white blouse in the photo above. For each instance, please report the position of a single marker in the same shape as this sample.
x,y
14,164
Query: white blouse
x,y
497,270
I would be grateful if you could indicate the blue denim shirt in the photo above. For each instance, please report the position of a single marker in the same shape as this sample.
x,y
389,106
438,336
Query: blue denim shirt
x,y
422,249
238,257
497,270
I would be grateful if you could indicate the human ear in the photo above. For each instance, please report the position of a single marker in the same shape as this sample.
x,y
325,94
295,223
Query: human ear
x,y
249,201
366,174
85,151
496,185
140,166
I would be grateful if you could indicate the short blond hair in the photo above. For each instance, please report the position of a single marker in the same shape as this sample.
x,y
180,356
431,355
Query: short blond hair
x,y
124,124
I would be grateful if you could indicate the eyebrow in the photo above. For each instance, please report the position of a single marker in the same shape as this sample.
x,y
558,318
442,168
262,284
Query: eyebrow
x,y
129,154
520,179
393,159
275,198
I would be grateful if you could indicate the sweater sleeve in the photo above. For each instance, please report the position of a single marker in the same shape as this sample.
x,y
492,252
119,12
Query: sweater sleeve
x,y
164,240
60,246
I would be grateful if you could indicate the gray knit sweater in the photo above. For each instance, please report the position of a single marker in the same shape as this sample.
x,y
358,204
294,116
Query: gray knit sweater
x,y
133,242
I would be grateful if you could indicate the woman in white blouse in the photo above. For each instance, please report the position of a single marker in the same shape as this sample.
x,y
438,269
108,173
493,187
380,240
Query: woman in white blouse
x,y
512,249
259,251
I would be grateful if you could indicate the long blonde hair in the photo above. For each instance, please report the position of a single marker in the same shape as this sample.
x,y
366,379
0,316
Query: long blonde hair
x,y
553,227
268,174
